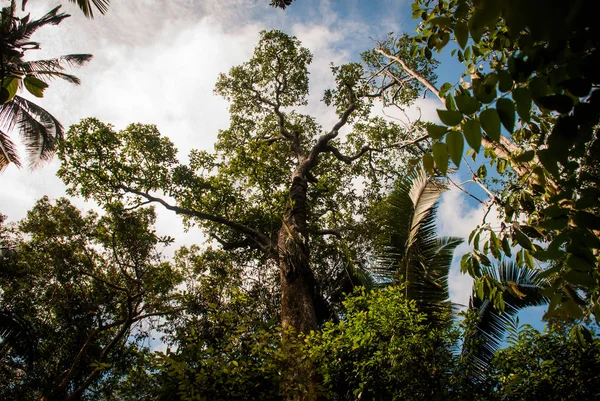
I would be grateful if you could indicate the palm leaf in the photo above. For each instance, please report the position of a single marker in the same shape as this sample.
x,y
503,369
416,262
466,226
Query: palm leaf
x,y
87,6
8,152
40,130
17,334
52,68
281,3
413,252
52,17
523,288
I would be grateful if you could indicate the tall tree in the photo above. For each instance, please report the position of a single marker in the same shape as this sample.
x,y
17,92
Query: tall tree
x,y
79,294
39,129
277,186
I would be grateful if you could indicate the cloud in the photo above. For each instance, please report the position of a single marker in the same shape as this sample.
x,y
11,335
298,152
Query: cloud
x,y
457,217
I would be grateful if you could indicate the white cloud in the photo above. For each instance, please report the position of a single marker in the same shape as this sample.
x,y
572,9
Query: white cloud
x,y
157,62
457,217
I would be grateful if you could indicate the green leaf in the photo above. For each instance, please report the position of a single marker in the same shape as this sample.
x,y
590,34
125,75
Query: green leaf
x,y
461,31
506,247
445,88
440,155
10,85
521,238
506,111
436,131
472,131
449,117
579,263
35,86
522,97
524,157
428,163
538,87
505,81
467,104
490,122
561,103
456,144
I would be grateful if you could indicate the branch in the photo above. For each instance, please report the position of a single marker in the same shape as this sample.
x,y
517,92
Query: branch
x,y
412,72
502,149
226,245
261,240
323,141
365,149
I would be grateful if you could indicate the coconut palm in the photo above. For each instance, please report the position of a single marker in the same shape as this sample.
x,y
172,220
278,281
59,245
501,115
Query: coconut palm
x,y
39,129
413,253
523,288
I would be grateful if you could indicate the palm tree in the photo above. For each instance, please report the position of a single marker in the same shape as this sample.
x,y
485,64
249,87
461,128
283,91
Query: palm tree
x,y
39,129
523,288
413,253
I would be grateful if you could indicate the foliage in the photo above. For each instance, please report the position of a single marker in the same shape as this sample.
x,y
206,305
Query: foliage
x,y
224,353
40,130
554,365
529,94
383,348
78,288
278,188
486,325
412,253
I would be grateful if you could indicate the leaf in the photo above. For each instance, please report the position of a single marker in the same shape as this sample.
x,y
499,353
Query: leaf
x,y
456,144
445,88
524,157
440,155
35,86
472,131
10,86
461,31
436,131
467,104
522,97
538,87
449,117
505,81
506,112
521,238
561,103
490,122
428,163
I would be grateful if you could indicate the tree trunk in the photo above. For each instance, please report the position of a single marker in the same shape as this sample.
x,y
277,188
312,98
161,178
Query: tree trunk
x,y
300,381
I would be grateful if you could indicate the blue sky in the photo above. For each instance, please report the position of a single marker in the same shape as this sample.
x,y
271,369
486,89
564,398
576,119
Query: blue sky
x,y
156,61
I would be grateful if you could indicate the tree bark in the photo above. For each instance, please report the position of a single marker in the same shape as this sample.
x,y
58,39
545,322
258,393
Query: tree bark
x,y
298,314
297,279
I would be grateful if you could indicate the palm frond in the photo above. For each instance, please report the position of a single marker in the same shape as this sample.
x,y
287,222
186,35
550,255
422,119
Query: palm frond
x,y
17,334
52,17
8,152
281,3
424,194
87,6
413,252
53,68
40,130
523,288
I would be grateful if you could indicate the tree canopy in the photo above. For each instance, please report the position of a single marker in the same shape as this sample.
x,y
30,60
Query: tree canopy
x,y
296,216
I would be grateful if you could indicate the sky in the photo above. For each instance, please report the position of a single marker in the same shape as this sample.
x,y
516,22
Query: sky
x,y
156,62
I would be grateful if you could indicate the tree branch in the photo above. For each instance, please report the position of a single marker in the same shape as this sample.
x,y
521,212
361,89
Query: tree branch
x,y
261,240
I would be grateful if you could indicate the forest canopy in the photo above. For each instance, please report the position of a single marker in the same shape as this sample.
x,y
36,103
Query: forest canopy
x,y
321,273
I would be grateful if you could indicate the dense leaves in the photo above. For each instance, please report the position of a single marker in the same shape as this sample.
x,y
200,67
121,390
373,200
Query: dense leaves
x,y
75,292
529,81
